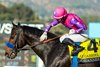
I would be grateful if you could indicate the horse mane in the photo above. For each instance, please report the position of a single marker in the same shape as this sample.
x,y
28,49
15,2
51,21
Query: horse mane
x,y
36,31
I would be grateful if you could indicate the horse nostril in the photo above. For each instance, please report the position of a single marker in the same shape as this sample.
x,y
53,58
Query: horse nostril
x,y
6,54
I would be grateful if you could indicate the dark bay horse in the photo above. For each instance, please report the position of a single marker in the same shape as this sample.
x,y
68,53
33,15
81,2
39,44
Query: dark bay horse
x,y
53,53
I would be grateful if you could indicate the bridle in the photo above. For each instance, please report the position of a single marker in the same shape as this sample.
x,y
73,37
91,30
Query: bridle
x,y
14,46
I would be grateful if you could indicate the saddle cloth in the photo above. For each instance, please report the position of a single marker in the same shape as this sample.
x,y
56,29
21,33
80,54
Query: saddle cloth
x,y
91,53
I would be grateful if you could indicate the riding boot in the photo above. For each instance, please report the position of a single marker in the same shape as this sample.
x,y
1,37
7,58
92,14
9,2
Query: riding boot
x,y
76,48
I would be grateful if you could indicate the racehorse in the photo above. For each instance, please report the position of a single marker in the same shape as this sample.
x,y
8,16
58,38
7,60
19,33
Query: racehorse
x,y
52,53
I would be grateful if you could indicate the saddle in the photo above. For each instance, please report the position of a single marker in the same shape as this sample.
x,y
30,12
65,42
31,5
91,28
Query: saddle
x,y
91,53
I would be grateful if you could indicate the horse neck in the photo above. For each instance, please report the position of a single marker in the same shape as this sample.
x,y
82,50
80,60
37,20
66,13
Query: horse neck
x,y
32,38
41,49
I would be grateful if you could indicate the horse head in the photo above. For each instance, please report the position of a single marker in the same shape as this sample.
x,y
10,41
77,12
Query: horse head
x,y
16,41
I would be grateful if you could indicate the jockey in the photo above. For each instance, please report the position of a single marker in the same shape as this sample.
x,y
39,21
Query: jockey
x,y
75,25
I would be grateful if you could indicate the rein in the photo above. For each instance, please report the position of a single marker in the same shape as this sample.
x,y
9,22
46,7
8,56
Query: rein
x,y
48,40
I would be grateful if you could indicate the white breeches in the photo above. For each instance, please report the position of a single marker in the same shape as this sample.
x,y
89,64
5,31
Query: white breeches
x,y
74,37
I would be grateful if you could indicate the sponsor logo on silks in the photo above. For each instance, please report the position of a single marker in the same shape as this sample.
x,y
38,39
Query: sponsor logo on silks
x,y
92,49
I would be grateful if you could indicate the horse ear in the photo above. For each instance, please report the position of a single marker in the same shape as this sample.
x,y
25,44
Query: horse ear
x,y
18,24
14,24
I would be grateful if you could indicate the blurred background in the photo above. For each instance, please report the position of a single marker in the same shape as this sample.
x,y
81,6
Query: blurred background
x,y
38,13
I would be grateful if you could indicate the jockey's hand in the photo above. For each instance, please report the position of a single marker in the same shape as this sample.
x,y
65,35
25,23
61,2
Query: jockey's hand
x,y
72,31
43,36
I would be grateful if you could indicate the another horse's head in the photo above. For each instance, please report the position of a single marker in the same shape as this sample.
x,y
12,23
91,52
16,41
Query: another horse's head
x,y
16,42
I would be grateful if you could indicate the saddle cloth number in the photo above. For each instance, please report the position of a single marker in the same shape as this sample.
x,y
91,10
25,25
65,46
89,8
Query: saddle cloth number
x,y
92,49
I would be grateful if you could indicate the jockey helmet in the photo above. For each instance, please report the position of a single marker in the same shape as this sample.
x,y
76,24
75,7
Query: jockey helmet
x,y
59,12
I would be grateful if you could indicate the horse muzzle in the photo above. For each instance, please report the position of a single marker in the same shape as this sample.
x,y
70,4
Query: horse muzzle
x,y
10,51
11,55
